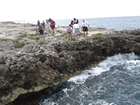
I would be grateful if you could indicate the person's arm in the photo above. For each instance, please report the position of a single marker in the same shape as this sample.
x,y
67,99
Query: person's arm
x,y
73,28
88,25
82,24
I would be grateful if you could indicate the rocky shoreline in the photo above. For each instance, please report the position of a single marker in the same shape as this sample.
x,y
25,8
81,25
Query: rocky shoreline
x,y
30,63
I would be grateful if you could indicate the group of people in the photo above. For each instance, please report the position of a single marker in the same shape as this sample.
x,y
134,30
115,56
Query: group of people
x,y
46,27
74,28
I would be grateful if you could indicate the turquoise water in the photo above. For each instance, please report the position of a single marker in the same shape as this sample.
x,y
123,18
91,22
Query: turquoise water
x,y
115,81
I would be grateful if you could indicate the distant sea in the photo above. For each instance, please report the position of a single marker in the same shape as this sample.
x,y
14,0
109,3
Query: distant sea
x,y
117,23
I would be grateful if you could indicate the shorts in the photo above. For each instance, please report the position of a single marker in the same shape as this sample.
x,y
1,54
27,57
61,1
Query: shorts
x,y
85,29
69,33
77,32
53,27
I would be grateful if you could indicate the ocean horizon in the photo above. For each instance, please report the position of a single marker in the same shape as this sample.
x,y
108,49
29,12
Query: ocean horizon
x,y
117,23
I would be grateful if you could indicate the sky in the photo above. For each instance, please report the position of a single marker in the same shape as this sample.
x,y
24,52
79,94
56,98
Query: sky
x,y
11,10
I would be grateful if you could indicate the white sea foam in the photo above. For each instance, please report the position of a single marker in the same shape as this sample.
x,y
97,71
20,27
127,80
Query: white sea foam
x,y
105,66
84,93
102,102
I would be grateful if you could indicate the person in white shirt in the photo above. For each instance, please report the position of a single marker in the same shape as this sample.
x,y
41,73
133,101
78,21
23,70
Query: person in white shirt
x,y
47,27
85,27
76,30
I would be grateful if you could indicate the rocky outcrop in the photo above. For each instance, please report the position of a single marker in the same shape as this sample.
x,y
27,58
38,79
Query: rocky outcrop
x,y
36,67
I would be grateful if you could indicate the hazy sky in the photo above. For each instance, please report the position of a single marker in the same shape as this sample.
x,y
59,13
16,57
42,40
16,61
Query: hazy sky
x,y
66,9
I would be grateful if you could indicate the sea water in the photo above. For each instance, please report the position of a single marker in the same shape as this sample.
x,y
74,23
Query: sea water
x,y
115,81
117,23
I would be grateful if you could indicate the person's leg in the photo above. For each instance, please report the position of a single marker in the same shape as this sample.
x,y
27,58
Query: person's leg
x,y
77,37
78,34
87,31
47,31
53,29
84,34
40,32
84,31
70,37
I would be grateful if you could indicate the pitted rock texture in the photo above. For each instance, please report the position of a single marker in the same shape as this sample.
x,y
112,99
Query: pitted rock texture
x,y
35,67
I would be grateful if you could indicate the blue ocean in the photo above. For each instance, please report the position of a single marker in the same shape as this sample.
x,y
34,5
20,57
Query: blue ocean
x,y
115,81
117,23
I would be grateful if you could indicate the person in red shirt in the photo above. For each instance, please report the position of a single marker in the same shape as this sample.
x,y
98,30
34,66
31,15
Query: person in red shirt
x,y
52,25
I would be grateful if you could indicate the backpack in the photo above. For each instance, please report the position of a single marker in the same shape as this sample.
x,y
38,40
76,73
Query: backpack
x,y
69,30
40,28
52,24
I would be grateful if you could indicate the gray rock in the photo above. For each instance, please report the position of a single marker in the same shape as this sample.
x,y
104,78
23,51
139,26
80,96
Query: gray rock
x,y
35,67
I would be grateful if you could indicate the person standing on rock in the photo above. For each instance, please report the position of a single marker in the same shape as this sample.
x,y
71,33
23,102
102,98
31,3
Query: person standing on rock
x,y
43,25
85,27
75,20
41,31
52,25
69,31
38,23
72,24
47,27
76,30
